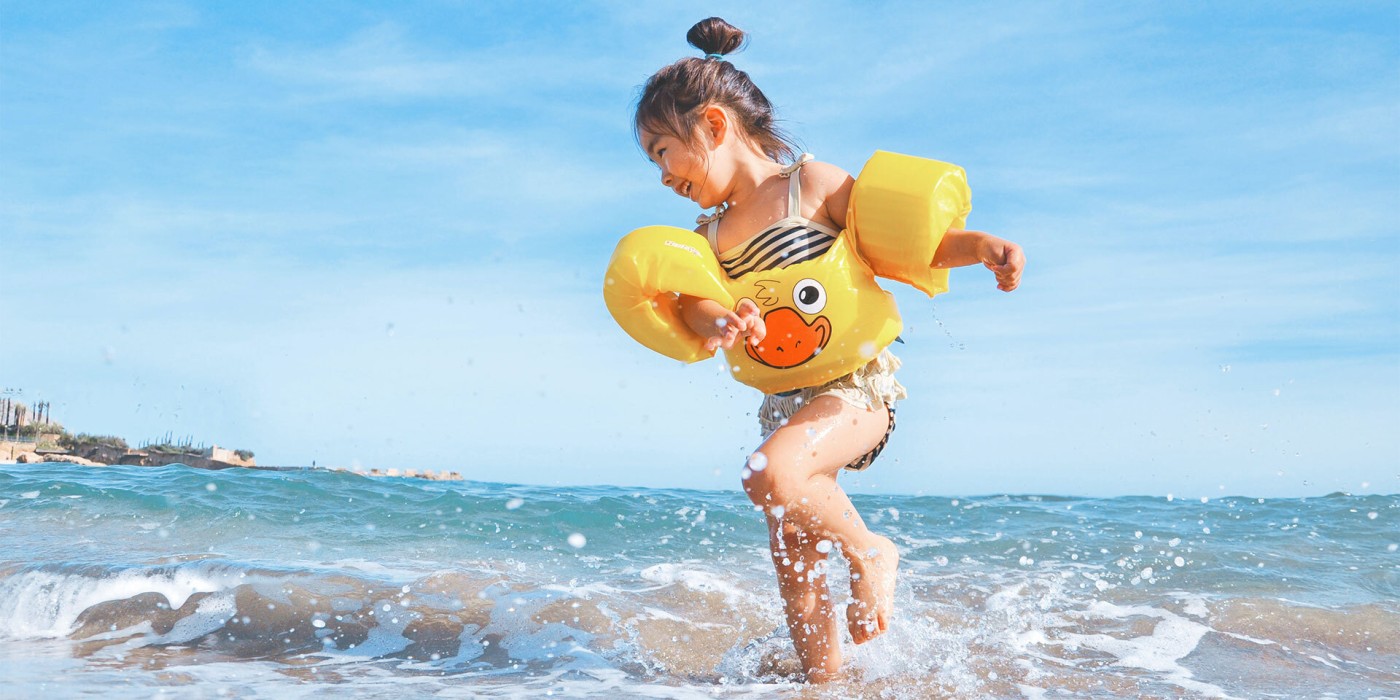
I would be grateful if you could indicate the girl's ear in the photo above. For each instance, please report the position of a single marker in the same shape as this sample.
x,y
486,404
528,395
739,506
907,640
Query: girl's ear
x,y
715,122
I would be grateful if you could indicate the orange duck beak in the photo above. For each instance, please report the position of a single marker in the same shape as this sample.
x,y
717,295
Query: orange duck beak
x,y
791,341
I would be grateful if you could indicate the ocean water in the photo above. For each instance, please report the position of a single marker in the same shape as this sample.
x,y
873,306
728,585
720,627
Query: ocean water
x,y
174,582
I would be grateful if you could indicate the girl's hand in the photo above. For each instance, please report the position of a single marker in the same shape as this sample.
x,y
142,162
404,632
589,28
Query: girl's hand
x,y
754,327
1005,259
744,320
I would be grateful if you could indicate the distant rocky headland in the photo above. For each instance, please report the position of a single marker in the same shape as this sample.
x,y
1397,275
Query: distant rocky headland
x,y
29,435
102,451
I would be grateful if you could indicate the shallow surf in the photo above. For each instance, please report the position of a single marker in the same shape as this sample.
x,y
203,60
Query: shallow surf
x,y
141,582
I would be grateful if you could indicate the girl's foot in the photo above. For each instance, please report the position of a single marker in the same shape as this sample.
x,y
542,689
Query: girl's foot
x,y
872,588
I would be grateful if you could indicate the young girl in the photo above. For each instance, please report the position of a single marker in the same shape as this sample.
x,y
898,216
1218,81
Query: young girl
x,y
712,133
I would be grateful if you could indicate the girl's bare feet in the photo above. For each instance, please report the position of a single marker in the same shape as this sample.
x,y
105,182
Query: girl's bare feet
x,y
873,574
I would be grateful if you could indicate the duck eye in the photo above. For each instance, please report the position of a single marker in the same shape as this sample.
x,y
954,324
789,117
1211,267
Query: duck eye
x,y
810,296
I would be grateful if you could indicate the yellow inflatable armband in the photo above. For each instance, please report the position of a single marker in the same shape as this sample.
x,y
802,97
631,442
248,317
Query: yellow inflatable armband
x,y
649,269
899,210
825,317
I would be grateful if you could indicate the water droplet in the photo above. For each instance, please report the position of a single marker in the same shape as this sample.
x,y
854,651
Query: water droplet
x,y
211,487
824,546
1180,562
577,540
758,461
778,511
318,623
514,503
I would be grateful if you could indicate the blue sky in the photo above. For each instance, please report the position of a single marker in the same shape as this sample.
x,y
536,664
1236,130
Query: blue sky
x,y
373,235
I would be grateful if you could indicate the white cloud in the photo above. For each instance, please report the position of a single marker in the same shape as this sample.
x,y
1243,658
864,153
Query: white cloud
x,y
375,63
385,63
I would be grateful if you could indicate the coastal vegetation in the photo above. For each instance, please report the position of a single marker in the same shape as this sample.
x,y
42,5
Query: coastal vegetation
x,y
168,446
35,430
83,442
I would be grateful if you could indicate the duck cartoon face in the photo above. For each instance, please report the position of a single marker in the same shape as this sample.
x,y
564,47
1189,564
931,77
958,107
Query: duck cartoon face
x,y
791,339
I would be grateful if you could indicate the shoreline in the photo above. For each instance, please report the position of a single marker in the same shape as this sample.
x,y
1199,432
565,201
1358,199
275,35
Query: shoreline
x,y
10,453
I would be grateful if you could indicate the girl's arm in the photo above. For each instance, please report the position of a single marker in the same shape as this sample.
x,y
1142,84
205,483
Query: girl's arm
x,y
961,248
958,248
833,185
719,326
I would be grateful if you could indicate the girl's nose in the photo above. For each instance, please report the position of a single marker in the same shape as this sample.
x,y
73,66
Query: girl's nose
x,y
667,178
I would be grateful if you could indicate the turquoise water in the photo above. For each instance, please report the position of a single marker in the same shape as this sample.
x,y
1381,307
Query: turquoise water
x,y
176,582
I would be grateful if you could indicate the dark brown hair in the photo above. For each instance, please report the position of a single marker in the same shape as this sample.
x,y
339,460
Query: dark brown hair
x,y
673,98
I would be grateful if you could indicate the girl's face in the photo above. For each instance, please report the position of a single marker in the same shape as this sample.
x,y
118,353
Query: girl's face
x,y
686,167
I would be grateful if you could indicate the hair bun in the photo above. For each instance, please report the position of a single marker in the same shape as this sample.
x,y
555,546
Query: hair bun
x,y
715,36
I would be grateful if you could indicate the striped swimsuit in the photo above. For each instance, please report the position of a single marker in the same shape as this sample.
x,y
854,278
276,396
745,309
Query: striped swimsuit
x,y
790,240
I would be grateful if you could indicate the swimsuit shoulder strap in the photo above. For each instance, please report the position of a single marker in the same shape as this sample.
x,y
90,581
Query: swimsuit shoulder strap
x,y
795,184
711,224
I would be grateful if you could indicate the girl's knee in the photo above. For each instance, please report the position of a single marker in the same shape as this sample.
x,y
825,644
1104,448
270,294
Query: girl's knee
x,y
767,481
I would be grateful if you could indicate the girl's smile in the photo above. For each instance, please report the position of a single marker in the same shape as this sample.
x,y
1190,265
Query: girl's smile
x,y
684,170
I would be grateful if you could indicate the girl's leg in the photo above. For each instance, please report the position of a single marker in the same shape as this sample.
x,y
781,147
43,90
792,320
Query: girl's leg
x,y
806,600
797,488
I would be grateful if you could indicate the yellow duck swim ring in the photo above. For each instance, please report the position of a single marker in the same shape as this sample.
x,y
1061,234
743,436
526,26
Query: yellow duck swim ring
x,y
825,317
